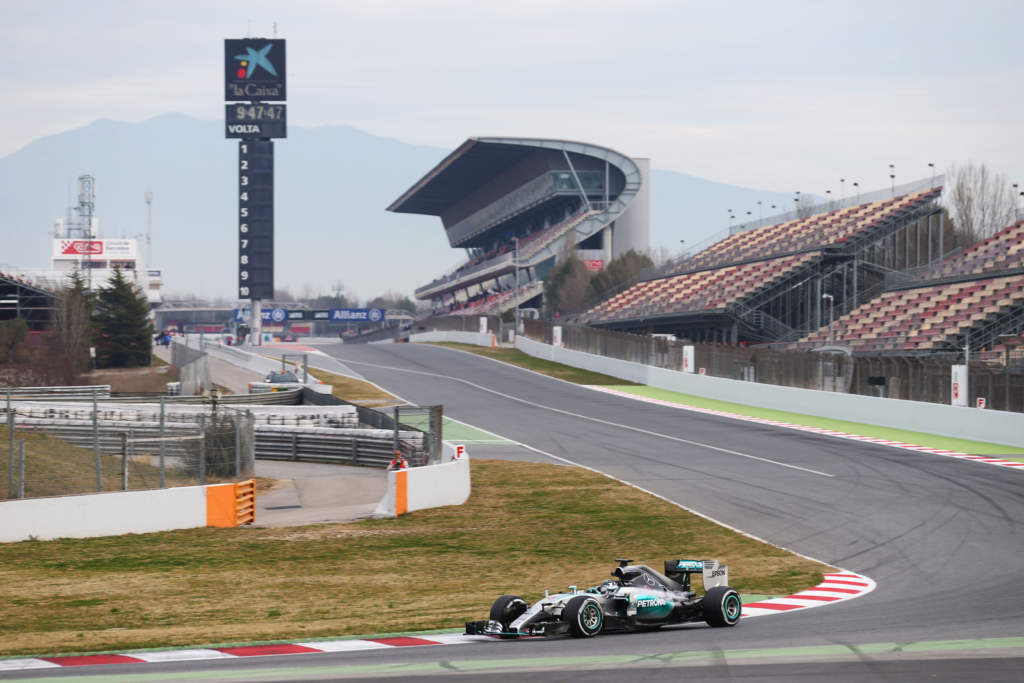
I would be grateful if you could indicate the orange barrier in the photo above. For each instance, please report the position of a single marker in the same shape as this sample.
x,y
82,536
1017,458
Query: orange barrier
x,y
229,505
220,505
401,492
245,502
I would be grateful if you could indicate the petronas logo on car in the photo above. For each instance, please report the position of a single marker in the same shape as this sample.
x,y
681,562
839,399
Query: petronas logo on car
x,y
650,602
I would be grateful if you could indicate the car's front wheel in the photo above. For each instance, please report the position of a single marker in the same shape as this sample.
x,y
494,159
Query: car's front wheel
x,y
584,616
507,609
721,606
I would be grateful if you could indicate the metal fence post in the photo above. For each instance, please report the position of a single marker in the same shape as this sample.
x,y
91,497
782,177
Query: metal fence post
x,y
238,444
250,427
161,446
96,441
305,368
21,469
202,450
394,444
124,461
10,455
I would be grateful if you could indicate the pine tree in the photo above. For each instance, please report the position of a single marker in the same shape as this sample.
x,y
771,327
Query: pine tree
x,y
72,330
123,331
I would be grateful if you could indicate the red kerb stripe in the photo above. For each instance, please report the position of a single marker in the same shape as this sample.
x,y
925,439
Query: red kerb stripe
x,y
260,650
772,605
847,583
403,641
835,590
822,598
88,660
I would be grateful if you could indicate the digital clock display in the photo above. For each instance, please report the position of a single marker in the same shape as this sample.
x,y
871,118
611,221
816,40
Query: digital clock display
x,y
258,112
256,121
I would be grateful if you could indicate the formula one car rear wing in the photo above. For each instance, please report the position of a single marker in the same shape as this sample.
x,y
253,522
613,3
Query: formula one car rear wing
x,y
714,574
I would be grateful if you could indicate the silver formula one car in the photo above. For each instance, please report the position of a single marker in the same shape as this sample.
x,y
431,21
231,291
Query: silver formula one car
x,y
636,598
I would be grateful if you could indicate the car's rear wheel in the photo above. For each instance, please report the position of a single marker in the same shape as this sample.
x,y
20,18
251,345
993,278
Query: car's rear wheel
x,y
507,609
721,606
584,616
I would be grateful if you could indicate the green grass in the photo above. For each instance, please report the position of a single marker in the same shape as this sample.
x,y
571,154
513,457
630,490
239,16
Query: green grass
x,y
861,429
526,527
516,357
546,367
56,468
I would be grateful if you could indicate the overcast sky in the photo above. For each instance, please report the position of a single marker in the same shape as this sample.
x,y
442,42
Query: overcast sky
x,y
770,95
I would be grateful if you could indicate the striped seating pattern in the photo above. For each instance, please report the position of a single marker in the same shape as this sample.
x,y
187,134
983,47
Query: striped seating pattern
x,y
924,317
1002,251
704,290
806,233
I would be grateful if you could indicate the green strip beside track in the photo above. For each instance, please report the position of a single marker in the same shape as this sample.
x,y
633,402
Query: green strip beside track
x,y
860,429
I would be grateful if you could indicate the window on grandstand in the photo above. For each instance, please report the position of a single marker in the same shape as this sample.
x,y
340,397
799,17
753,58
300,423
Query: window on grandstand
x,y
590,180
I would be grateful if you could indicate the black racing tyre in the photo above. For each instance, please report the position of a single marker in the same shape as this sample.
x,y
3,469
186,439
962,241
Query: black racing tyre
x,y
584,616
721,606
507,609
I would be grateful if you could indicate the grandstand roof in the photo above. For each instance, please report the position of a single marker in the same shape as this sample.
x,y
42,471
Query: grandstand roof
x,y
477,162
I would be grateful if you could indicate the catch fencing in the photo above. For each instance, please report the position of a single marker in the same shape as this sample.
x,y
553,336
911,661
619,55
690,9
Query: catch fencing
x,y
104,446
914,378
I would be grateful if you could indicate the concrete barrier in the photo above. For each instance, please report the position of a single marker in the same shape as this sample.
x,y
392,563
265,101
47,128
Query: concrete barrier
x,y
124,512
991,426
476,338
431,486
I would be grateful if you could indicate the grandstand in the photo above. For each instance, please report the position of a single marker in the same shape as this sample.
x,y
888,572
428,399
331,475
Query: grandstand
x,y
540,198
975,297
20,298
766,283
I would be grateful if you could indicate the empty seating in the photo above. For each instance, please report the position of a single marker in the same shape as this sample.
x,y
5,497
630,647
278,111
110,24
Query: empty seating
x,y
1002,251
807,233
705,290
924,318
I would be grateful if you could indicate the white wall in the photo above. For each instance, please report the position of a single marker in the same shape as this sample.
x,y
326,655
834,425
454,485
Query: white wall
x,y
435,486
453,336
966,423
429,486
103,514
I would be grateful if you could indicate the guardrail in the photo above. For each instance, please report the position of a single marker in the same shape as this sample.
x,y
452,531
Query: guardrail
x,y
371,447
85,391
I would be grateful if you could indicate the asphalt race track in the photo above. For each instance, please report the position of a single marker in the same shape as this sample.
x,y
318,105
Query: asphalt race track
x,y
940,537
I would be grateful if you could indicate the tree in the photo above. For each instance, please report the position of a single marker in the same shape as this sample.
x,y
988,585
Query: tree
x,y
626,268
72,330
123,332
566,287
392,300
980,202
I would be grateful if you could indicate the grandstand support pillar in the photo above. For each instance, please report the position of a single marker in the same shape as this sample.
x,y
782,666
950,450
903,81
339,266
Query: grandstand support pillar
x,y
735,333
941,229
583,193
257,323
817,302
854,306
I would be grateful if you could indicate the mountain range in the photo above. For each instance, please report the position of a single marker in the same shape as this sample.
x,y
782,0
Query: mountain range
x,y
331,186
